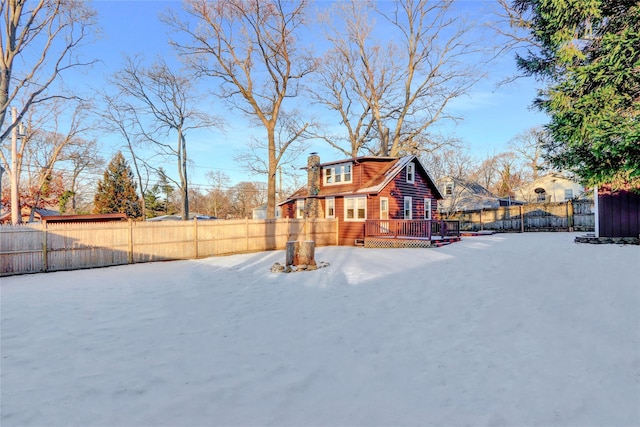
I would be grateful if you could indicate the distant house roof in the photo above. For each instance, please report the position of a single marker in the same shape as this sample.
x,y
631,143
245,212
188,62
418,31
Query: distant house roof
x,y
471,196
85,218
40,214
192,215
471,187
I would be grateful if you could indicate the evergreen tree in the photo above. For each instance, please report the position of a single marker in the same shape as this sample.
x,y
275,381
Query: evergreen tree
x,y
116,192
590,54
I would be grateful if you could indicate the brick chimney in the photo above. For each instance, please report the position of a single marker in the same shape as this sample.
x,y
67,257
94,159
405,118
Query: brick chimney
x,y
313,186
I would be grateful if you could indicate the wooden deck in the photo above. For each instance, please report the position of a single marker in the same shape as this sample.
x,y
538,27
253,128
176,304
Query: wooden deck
x,y
396,233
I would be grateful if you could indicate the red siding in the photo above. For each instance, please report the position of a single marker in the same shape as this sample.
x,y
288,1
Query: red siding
x,y
363,172
418,191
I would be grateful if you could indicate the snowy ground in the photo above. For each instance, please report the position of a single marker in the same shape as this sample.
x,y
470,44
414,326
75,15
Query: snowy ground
x,y
504,330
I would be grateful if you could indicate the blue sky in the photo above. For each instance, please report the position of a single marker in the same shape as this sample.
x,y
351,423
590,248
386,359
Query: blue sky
x,y
491,115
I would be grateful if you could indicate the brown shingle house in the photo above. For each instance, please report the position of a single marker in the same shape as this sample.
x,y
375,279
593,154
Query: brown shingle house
x,y
383,197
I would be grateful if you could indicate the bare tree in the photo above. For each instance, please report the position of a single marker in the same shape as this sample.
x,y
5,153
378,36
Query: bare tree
x,y
121,118
245,196
253,159
389,96
217,197
487,172
197,201
82,156
353,78
38,41
162,102
510,175
52,130
452,161
452,169
529,146
513,25
250,48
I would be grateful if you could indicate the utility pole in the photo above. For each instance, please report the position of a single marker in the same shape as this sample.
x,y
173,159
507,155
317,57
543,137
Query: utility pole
x,y
15,204
1,173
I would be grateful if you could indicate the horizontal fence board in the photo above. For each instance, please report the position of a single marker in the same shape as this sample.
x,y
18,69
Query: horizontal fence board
x,y
36,248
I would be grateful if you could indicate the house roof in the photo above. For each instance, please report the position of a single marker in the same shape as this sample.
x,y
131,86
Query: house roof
x,y
359,160
26,211
472,187
375,185
85,218
192,215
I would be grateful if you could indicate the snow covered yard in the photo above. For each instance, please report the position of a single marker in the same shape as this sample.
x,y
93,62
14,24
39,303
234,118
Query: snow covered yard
x,y
503,330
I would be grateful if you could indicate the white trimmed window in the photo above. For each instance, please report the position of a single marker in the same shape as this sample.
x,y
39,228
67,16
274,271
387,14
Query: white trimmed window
x,y
337,174
330,207
427,208
411,173
300,208
568,194
408,202
355,208
448,189
384,208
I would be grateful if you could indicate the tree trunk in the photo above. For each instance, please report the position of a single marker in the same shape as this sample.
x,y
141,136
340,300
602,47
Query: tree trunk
x,y
301,253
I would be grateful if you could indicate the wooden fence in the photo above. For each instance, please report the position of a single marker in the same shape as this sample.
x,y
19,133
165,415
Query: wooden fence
x,y
575,215
34,248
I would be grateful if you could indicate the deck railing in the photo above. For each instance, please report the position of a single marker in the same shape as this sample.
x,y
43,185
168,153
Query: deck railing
x,y
422,228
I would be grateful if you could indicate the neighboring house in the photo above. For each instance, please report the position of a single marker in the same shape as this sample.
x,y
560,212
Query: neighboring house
x,y
364,188
550,188
261,212
617,212
460,195
38,215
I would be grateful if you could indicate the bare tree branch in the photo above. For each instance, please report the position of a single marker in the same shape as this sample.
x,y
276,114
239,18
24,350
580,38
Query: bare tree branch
x,y
45,38
155,102
388,97
249,47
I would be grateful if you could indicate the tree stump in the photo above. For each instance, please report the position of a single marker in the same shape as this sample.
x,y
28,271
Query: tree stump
x,y
301,253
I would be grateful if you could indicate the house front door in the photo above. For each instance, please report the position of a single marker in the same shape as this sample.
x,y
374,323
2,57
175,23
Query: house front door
x,y
384,215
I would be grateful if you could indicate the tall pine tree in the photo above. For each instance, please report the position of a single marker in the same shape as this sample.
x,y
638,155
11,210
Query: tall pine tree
x,y
590,55
116,192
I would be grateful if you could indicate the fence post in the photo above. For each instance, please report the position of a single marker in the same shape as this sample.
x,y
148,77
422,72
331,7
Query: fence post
x,y
570,214
521,219
45,263
246,229
195,236
130,252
